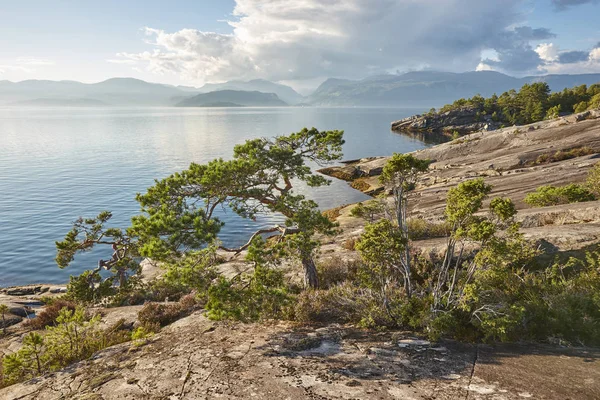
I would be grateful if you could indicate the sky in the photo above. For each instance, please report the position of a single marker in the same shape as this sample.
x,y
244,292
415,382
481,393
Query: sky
x,y
297,42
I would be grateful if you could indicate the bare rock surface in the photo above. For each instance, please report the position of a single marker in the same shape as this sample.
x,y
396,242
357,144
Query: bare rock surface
x,y
509,160
199,359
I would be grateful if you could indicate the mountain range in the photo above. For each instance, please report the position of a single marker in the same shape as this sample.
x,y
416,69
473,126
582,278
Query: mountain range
x,y
233,98
412,89
285,93
430,89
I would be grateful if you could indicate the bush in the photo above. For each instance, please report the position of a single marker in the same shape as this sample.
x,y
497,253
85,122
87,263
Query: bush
x,y
141,335
335,270
420,228
370,210
552,195
343,303
74,337
593,180
263,295
561,155
49,315
162,314
349,303
88,288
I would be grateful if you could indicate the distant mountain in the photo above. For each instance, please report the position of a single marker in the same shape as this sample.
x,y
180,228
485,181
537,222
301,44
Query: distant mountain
x,y
115,91
285,93
235,97
60,103
429,88
413,89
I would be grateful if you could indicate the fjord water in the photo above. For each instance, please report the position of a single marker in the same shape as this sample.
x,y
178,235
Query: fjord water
x,y
57,164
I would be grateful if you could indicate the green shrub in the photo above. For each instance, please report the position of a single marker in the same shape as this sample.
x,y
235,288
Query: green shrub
x,y
552,195
88,288
141,335
593,180
263,295
74,337
553,112
369,210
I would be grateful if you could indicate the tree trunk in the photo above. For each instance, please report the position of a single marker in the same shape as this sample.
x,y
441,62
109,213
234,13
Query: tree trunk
x,y
311,278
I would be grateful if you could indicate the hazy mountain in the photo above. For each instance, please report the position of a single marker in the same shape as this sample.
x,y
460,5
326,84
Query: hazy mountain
x,y
285,93
115,91
413,89
235,97
429,88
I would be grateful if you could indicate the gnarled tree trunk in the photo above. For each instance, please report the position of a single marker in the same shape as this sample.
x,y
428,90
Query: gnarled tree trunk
x,y
311,278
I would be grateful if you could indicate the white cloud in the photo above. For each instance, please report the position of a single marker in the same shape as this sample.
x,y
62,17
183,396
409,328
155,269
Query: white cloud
x,y
302,40
568,62
547,51
483,67
24,64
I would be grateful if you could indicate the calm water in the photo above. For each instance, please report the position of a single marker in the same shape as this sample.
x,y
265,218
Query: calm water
x,y
59,164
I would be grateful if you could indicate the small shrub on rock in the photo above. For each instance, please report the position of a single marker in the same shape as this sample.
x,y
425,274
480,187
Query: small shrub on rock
x,y
552,195
163,314
341,304
263,295
49,315
369,210
75,337
420,228
593,180
334,270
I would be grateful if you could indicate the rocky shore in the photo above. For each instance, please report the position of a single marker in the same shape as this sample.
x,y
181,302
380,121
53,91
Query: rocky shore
x,y
196,358
463,120
510,160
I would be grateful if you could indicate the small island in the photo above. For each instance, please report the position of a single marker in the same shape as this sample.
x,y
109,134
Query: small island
x,y
233,98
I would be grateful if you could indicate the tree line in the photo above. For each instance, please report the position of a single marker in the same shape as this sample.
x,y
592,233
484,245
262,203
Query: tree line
x,y
532,103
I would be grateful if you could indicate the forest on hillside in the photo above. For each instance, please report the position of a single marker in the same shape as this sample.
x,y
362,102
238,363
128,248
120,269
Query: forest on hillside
x,y
532,103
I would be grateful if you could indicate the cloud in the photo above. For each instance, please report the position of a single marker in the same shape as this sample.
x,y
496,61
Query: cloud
x,y
562,5
514,50
25,64
484,67
548,52
556,61
569,57
302,40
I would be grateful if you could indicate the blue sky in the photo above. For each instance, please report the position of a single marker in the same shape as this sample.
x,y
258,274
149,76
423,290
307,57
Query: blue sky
x,y
300,42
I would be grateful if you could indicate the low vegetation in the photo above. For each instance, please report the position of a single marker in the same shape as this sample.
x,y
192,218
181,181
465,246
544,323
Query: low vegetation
x,y
561,155
573,193
555,195
49,316
75,336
